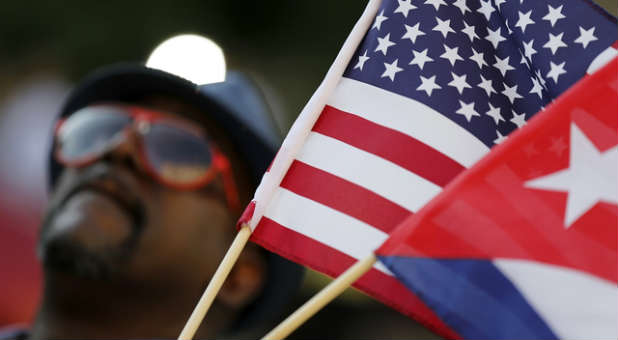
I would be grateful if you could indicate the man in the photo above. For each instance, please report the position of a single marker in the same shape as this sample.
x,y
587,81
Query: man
x,y
148,173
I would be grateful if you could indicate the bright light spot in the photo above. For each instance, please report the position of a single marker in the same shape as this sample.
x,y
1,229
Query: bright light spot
x,y
190,56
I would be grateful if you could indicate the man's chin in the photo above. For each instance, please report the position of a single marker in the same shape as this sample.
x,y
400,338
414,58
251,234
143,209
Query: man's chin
x,y
65,252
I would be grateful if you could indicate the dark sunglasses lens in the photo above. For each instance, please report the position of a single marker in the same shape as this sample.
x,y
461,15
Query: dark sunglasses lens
x,y
178,156
89,131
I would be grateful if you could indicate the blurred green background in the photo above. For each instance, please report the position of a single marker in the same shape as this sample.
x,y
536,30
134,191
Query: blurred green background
x,y
289,43
45,46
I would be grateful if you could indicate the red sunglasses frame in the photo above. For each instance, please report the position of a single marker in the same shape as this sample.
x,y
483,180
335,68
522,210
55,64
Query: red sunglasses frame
x,y
141,118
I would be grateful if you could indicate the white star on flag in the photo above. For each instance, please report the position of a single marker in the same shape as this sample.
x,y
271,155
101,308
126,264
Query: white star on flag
x,y
486,9
459,82
486,84
494,37
379,19
451,54
428,85
412,32
503,65
384,43
555,42
443,26
529,51
404,7
511,92
554,14
391,70
494,112
470,31
361,61
586,36
556,71
420,58
592,176
524,20
467,110
536,88
478,58
518,119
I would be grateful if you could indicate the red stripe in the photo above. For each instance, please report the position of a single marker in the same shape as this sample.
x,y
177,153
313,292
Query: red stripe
x,y
615,44
344,196
313,254
389,144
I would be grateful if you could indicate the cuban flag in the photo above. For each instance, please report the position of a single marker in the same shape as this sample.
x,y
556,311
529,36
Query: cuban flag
x,y
523,245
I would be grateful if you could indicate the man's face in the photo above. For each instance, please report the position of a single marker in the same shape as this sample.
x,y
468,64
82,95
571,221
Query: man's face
x,y
112,220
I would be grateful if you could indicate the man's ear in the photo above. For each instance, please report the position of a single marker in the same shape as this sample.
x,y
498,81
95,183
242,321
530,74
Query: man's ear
x,y
246,280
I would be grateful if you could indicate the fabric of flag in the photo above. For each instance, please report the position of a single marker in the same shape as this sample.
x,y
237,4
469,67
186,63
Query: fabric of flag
x,y
523,245
432,86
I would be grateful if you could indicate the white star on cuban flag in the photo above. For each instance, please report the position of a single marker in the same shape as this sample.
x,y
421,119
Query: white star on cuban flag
x,y
592,176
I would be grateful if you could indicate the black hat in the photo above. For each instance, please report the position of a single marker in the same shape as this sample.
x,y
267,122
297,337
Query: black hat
x,y
239,108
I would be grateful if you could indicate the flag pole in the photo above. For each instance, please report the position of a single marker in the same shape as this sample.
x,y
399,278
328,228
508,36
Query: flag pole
x,y
321,299
216,282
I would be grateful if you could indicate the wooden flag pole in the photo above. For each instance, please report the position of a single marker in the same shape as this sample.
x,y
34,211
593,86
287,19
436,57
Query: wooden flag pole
x,y
216,282
318,301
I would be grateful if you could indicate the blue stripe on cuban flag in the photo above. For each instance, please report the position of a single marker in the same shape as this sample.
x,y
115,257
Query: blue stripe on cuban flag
x,y
478,303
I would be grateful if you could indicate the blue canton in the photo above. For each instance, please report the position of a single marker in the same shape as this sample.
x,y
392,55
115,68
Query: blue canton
x,y
487,65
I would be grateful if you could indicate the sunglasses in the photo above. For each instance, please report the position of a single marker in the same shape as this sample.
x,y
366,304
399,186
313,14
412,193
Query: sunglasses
x,y
174,152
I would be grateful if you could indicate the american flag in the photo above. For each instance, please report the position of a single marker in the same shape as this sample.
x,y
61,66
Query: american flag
x,y
432,86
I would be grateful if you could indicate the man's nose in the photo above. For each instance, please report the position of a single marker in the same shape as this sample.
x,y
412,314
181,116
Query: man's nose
x,y
125,148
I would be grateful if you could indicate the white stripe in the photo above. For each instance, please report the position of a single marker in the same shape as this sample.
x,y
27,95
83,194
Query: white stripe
x,y
409,117
310,113
371,172
602,59
326,225
575,305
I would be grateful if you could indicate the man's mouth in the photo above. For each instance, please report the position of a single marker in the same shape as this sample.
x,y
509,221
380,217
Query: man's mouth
x,y
96,223
130,205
